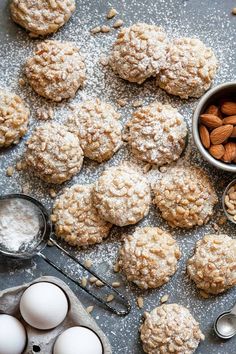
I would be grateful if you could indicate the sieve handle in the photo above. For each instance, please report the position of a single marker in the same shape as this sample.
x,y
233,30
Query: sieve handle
x,y
125,301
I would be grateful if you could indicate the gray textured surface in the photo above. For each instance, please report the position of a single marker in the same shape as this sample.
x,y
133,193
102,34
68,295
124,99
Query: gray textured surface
x,y
208,20
77,316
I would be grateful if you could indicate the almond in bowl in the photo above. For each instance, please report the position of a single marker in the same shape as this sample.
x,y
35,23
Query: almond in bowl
x,y
214,126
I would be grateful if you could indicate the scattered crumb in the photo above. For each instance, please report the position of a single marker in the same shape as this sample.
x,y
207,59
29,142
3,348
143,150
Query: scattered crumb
x,y
19,166
147,168
137,103
110,298
44,114
10,171
111,13
222,220
25,189
95,30
88,263
118,23
104,60
105,29
121,102
99,283
52,193
90,309
164,298
163,169
216,227
116,268
140,302
22,82
84,282
116,284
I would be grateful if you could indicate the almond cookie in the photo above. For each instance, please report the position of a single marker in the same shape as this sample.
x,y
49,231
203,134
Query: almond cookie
x,y
53,153
213,265
170,328
139,52
122,196
156,134
149,257
41,17
190,68
14,118
76,219
97,126
185,197
56,71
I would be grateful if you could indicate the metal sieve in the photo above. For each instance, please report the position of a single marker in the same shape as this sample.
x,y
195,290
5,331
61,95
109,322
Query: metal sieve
x,y
38,244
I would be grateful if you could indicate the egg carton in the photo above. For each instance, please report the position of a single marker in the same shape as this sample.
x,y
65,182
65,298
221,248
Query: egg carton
x,y
42,341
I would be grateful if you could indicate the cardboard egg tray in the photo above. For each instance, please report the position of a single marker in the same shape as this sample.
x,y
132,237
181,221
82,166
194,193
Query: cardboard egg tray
x,y
77,316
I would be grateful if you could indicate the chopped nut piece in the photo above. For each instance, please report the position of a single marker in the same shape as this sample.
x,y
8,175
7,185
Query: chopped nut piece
x,y
110,298
52,193
204,295
137,103
116,284
10,171
105,29
44,114
88,263
140,302
116,268
118,23
89,309
104,60
222,220
19,166
84,282
96,30
111,13
121,102
93,280
99,283
164,298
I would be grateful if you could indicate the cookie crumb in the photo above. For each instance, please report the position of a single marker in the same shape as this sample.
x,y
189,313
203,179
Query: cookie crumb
x,y
140,302
164,298
111,13
118,23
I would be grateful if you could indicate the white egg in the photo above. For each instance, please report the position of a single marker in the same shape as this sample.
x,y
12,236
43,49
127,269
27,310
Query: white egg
x,y
78,340
43,305
12,335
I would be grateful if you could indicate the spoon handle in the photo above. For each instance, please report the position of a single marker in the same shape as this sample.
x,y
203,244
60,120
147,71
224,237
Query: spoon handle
x,y
233,310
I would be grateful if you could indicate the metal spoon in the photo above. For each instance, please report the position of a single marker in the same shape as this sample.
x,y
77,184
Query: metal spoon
x,y
225,324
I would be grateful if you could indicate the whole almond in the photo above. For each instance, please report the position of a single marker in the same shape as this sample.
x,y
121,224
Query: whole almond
x,y
210,121
217,151
230,120
230,152
220,134
212,109
233,134
228,108
205,136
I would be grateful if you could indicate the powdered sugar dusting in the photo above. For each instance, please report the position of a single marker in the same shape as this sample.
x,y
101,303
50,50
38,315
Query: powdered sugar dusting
x,y
211,22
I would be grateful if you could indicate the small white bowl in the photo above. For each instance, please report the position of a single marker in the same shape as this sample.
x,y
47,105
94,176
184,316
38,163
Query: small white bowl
x,y
217,93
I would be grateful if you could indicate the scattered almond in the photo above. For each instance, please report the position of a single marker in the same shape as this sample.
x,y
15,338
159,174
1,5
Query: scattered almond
x,y
105,29
230,120
230,152
95,30
118,23
205,136
221,134
229,108
210,121
217,151
84,282
93,280
116,284
111,13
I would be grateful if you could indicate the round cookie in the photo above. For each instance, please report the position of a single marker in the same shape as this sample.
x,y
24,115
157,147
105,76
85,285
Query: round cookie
x,y
76,219
139,52
41,17
53,153
170,328
97,126
190,68
213,265
185,197
56,71
156,134
122,196
149,257
14,117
